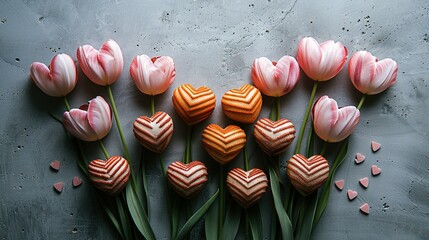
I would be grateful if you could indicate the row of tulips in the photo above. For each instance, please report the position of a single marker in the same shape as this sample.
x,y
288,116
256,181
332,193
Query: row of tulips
x,y
152,76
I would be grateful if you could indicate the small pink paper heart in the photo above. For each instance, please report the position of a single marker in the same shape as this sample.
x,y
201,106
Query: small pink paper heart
x,y
351,194
375,170
339,184
55,165
59,186
365,208
364,182
375,146
76,181
359,158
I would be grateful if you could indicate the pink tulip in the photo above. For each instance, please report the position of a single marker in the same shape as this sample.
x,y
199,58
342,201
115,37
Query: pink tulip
x,y
58,80
152,76
90,122
101,67
371,76
321,62
331,123
275,79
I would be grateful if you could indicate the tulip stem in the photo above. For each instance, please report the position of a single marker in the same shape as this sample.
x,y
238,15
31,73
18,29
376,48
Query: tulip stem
x,y
278,108
66,103
221,199
362,100
106,154
325,145
152,104
245,157
304,121
118,123
188,145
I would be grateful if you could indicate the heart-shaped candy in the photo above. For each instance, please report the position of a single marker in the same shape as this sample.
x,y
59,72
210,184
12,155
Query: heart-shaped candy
x,y
375,146
307,174
274,137
187,179
154,133
359,158
339,184
375,170
364,182
59,187
247,187
351,194
55,165
223,144
193,105
242,105
109,176
365,208
76,181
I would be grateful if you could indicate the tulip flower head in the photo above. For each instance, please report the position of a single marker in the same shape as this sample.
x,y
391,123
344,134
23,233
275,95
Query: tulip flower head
x,y
331,123
371,76
102,67
59,79
152,76
90,122
275,79
321,62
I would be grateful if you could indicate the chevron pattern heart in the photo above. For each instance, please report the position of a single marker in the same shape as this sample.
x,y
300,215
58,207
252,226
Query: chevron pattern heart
x,y
155,132
193,105
247,187
307,174
223,144
187,179
242,105
109,176
274,137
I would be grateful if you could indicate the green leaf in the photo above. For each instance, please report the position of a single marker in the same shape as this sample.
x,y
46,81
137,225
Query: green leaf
x,y
310,142
324,196
123,217
138,213
285,224
306,218
110,215
232,222
255,220
194,219
175,215
212,222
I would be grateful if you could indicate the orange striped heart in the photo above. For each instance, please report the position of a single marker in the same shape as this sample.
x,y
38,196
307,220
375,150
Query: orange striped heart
x,y
223,144
193,105
242,105
274,137
307,174
247,187
187,179
154,133
109,176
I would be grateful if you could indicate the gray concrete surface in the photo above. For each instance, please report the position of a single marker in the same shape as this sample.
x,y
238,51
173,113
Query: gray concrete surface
x,y
212,43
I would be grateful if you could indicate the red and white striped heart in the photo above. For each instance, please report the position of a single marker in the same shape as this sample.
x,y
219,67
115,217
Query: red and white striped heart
x,y
274,137
187,179
154,133
307,174
247,187
109,176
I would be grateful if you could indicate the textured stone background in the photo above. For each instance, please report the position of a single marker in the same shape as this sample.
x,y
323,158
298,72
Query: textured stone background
x,y
213,43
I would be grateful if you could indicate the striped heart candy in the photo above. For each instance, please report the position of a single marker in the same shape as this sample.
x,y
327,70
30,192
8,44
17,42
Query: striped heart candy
x,y
193,105
307,174
154,133
242,105
187,179
223,144
109,176
247,187
274,137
